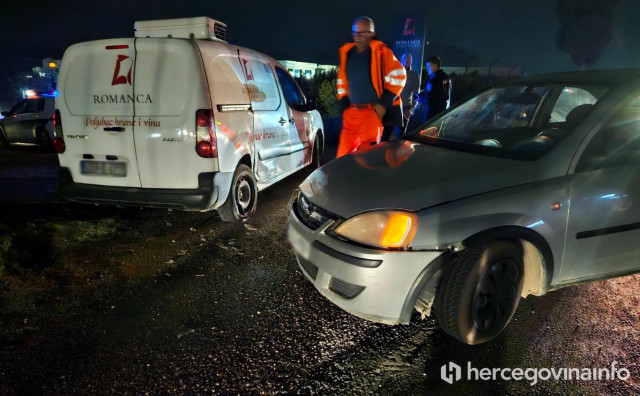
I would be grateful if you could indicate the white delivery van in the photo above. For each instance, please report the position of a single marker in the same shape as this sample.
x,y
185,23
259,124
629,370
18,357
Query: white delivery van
x,y
176,117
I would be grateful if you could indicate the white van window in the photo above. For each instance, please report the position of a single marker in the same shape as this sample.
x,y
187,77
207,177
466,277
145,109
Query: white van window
x,y
290,89
261,85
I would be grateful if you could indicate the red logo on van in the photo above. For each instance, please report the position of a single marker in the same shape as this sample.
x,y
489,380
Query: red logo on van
x,y
119,76
409,27
247,70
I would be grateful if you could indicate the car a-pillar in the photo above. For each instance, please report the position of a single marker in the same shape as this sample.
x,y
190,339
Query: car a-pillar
x,y
479,289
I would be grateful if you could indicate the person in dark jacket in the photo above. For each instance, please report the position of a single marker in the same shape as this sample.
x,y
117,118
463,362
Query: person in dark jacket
x,y
435,95
408,94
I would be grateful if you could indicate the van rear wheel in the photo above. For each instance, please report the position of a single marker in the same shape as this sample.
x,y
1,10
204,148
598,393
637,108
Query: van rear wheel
x,y
243,197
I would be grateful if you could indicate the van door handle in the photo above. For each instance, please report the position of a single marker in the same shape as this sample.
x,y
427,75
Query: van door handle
x,y
114,129
282,121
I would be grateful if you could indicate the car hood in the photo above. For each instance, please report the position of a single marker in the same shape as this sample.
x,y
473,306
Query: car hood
x,y
410,176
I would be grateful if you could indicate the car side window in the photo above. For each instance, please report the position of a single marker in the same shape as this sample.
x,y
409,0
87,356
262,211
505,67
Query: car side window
x,y
19,108
569,99
290,89
34,105
41,104
617,143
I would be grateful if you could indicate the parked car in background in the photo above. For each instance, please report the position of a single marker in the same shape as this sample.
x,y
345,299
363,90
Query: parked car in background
x,y
527,187
177,117
29,121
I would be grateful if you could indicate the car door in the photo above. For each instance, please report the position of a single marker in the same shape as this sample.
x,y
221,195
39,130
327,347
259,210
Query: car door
x,y
271,121
11,122
604,216
299,121
31,118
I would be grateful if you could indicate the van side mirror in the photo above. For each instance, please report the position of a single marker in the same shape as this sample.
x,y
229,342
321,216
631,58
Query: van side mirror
x,y
309,105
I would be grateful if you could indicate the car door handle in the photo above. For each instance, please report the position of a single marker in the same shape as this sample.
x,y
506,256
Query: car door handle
x,y
282,121
114,129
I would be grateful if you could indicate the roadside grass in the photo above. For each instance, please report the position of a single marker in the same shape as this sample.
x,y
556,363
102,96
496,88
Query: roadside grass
x,y
62,264
30,269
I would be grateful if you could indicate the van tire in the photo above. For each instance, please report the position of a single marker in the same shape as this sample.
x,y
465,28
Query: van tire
x,y
243,196
480,291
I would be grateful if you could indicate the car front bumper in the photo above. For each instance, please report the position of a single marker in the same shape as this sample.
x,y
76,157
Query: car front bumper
x,y
380,286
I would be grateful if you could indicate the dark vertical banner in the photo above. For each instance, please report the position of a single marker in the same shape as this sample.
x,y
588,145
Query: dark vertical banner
x,y
409,37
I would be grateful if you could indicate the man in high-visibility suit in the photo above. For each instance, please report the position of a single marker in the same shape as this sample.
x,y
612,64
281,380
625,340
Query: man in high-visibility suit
x,y
370,80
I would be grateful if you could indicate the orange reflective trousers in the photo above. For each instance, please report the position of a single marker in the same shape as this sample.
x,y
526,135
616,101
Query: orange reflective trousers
x,y
361,129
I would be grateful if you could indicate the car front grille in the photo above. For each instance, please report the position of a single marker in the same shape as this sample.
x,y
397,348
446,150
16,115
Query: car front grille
x,y
344,289
311,269
311,215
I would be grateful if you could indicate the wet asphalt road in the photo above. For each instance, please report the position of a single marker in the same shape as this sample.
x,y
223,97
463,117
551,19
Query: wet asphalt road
x,y
233,315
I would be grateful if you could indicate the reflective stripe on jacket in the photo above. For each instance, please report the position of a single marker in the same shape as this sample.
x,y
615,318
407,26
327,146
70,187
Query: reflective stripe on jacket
x,y
387,73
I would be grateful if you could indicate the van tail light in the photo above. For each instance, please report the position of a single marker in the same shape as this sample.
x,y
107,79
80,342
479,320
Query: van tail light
x,y
206,144
58,140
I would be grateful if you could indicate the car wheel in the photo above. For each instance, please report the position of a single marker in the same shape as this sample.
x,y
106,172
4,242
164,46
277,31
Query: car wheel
x,y
315,156
480,291
243,197
44,141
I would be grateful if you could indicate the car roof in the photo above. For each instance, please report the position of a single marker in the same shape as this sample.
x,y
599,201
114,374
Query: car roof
x,y
595,77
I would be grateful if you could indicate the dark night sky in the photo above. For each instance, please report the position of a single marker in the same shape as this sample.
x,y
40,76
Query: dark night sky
x,y
519,32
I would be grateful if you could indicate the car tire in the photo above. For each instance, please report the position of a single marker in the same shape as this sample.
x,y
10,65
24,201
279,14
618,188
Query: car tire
x,y
480,291
44,141
243,196
4,143
315,155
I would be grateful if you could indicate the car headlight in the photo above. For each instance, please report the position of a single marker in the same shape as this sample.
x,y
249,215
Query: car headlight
x,y
384,229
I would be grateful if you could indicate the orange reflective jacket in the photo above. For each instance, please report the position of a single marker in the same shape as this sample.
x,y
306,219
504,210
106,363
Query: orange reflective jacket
x,y
387,73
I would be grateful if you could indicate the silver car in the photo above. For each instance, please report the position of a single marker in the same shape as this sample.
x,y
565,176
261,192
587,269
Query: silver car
x,y
29,121
527,187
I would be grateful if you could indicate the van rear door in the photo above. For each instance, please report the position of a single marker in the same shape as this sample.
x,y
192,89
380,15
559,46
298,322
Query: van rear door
x,y
170,88
96,103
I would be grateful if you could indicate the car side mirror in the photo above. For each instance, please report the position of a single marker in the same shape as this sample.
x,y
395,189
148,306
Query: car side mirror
x,y
6,113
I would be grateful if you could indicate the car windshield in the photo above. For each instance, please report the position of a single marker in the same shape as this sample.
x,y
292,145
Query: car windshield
x,y
515,121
